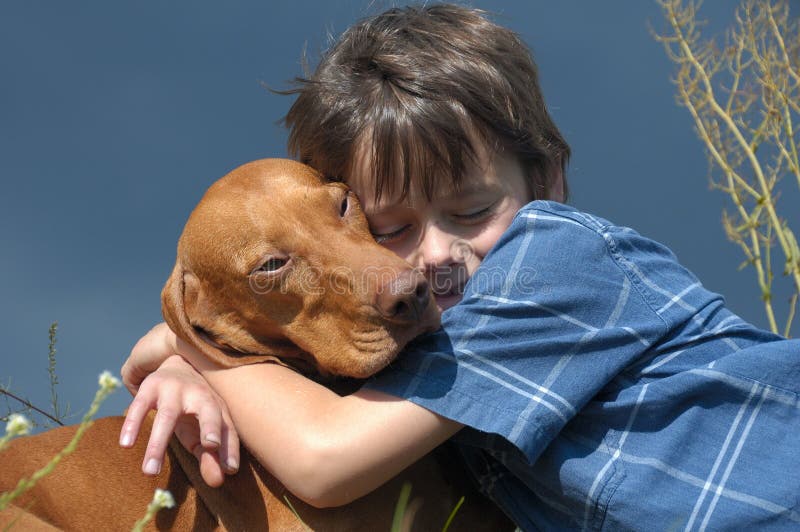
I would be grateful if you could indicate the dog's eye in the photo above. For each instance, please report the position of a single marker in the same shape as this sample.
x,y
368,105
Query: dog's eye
x,y
344,205
273,264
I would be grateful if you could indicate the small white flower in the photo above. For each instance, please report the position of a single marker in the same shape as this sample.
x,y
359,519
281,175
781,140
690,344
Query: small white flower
x,y
108,381
18,425
163,499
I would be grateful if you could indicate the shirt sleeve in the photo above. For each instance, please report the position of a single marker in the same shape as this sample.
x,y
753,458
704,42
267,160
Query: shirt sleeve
x,y
551,316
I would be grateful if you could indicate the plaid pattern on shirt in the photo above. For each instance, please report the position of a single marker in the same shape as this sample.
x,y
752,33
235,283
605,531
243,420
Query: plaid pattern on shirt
x,y
602,387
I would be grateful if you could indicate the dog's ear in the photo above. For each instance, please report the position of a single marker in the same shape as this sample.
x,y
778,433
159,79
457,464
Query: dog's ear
x,y
183,305
182,290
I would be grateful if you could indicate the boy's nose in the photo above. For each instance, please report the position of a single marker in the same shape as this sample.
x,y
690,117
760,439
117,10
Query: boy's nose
x,y
435,249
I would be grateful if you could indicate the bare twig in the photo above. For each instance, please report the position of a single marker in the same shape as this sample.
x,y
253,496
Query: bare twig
x,y
750,135
28,405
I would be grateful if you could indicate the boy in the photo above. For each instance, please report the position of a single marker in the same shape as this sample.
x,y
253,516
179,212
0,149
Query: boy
x,y
588,379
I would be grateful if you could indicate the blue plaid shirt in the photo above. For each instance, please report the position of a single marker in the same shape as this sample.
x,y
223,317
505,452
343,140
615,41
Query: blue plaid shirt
x,y
602,387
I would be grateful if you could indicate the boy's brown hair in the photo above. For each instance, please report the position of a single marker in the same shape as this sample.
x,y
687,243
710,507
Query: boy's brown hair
x,y
416,84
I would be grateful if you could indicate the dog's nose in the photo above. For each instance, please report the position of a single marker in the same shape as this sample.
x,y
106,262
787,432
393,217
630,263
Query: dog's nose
x,y
404,298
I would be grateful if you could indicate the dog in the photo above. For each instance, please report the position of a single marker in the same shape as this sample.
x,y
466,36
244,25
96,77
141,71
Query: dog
x,y
300,280
276,264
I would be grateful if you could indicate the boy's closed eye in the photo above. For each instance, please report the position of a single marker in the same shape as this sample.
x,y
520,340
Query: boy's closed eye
x,y
383,236
389,227
477,214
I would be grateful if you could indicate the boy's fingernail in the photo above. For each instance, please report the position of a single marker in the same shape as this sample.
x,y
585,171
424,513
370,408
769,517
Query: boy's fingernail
x,y
233,465
126,439
212,438
152,467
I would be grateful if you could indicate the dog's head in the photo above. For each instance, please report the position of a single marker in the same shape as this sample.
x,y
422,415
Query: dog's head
x,y
275,262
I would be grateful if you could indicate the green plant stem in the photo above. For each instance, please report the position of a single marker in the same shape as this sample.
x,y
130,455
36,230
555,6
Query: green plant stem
x,y
792,308
400,507
51,368
297,515
453,514
148,516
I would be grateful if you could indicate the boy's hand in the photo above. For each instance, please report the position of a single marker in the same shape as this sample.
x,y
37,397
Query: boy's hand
x,y
187,405
147,355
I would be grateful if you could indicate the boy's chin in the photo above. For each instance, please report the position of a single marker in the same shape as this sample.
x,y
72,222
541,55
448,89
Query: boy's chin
x,y
444,302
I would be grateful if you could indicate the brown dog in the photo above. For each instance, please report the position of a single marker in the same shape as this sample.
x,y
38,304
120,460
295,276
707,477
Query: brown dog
x,y
274,264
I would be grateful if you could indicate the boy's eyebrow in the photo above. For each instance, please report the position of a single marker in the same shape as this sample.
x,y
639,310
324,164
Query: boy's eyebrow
x,y
468,189
384,208
474,188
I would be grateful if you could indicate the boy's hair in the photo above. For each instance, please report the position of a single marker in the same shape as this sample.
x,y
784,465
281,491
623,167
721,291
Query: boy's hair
x,y
415,87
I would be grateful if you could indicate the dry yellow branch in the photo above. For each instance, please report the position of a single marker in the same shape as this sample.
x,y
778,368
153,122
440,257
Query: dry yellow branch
x,y
751,135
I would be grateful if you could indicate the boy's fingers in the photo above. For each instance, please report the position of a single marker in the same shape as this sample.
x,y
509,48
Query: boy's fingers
x,y
210,468
210,419
133,420
229,450
188,433
164,424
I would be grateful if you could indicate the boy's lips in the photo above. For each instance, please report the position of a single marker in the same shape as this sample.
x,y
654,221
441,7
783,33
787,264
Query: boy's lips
x,y
445,301
449,292
448,285
448,295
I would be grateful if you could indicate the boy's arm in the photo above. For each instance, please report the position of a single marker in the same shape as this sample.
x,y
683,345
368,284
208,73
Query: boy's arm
x,y
328,450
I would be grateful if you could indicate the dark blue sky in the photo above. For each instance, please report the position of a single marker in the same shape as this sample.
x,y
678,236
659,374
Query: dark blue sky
x,y
115,117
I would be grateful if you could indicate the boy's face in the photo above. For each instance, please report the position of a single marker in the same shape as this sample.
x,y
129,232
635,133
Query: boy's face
x,y
448,236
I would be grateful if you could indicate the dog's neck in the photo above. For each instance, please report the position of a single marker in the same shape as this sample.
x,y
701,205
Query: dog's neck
x,y
287,354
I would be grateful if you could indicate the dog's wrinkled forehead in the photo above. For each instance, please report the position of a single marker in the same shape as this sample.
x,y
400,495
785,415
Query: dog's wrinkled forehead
x,y
260,198
269,180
